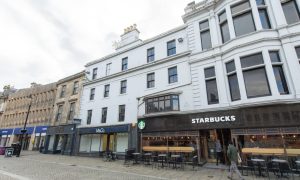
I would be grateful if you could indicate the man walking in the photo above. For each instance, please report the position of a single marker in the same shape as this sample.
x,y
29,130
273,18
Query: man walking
x,y
218,151
233,157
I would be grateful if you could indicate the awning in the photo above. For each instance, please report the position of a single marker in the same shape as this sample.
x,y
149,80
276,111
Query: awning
x,y
6,131
41,129
29,130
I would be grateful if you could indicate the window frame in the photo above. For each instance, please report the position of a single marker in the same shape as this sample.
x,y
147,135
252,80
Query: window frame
x,y
106,90
150,57
241,13
71,110
75,87
63,91
171,77
283,76
89,116
172,50
59,113
122,111
104,115
124,64
297,10
149,103
208,79
223,23
204,30
107,69
255,67
95,72
92,94
123,86
264,7
151,81
297,49
230,74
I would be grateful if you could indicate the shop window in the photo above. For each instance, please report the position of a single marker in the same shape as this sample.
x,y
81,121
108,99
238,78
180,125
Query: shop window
x,y
123,87
223,23
104,115
205,35
108,66
106,90
150,55
278,72
172,73
72,111
242,18
291,11
255,76
90,143
89,117
298,53
94,73
75,87
121,113
124,64
59,113
233,81
211,85
171,46
63,91
92,94
162,104
263,14
150,80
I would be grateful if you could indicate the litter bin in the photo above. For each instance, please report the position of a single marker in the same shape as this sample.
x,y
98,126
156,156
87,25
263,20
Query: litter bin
x,y
17,148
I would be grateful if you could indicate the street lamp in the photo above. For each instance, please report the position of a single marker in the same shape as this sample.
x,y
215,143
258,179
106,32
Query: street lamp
x,y
24,130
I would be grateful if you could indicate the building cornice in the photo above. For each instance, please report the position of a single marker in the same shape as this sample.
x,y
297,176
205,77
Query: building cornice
x,y
138,45
154,63
194,9
72,77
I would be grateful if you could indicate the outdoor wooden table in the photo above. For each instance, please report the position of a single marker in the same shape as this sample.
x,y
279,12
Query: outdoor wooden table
x,y
147,157
162,157
259,164
135,155
174,158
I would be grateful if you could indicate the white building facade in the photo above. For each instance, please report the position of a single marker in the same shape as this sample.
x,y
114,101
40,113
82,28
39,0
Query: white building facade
x,y
237,78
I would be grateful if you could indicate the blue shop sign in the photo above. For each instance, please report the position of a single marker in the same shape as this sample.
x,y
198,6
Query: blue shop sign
x,y
41,129
29,130
104,130
6,131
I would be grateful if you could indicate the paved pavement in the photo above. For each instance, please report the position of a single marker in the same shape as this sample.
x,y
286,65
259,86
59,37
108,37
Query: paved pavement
x,y
36,166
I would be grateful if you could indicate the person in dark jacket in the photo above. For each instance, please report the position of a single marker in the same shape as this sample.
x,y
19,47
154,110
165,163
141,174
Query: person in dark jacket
x,y
218,151
232,155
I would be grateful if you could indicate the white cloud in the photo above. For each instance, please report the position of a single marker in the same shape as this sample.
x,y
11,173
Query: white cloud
x,y
43,41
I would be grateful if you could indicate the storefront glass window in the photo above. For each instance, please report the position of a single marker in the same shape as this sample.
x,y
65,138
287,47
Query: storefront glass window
x,y
51,143
90,143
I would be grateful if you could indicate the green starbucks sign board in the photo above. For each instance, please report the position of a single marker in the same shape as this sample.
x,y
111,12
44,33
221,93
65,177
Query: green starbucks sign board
x,y
141,124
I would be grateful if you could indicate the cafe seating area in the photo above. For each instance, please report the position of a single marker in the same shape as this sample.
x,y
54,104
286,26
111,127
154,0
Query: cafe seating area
x,y
269,166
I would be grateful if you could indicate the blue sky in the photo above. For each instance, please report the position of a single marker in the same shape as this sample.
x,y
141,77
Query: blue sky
x,y
43,41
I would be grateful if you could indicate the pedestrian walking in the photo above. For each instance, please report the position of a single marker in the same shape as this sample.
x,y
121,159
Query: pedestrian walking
x,y
232,155
218,151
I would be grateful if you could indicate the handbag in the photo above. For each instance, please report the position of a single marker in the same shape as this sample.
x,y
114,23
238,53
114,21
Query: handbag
x,y
239,158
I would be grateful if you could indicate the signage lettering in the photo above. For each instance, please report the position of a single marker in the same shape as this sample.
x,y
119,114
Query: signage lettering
x,y
213,119
100,130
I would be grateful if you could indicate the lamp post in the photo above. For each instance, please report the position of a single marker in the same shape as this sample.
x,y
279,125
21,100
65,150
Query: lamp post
x,y
24,130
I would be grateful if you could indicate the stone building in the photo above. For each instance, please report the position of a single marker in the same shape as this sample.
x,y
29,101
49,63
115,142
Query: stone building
x,y
36,101
65,114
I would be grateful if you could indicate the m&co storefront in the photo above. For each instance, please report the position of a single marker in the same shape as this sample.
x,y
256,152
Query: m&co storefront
x,y
263,129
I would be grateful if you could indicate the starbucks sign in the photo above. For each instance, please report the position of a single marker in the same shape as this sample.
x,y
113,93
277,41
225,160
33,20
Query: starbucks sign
x,y
141,124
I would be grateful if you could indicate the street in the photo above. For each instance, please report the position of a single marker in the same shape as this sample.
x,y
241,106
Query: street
x,y
36,166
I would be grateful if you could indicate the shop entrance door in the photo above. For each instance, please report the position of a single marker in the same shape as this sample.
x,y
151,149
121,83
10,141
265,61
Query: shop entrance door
x,y
224,135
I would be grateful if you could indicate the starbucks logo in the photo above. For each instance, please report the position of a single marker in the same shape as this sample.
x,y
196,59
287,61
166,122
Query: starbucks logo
x,y
141,124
